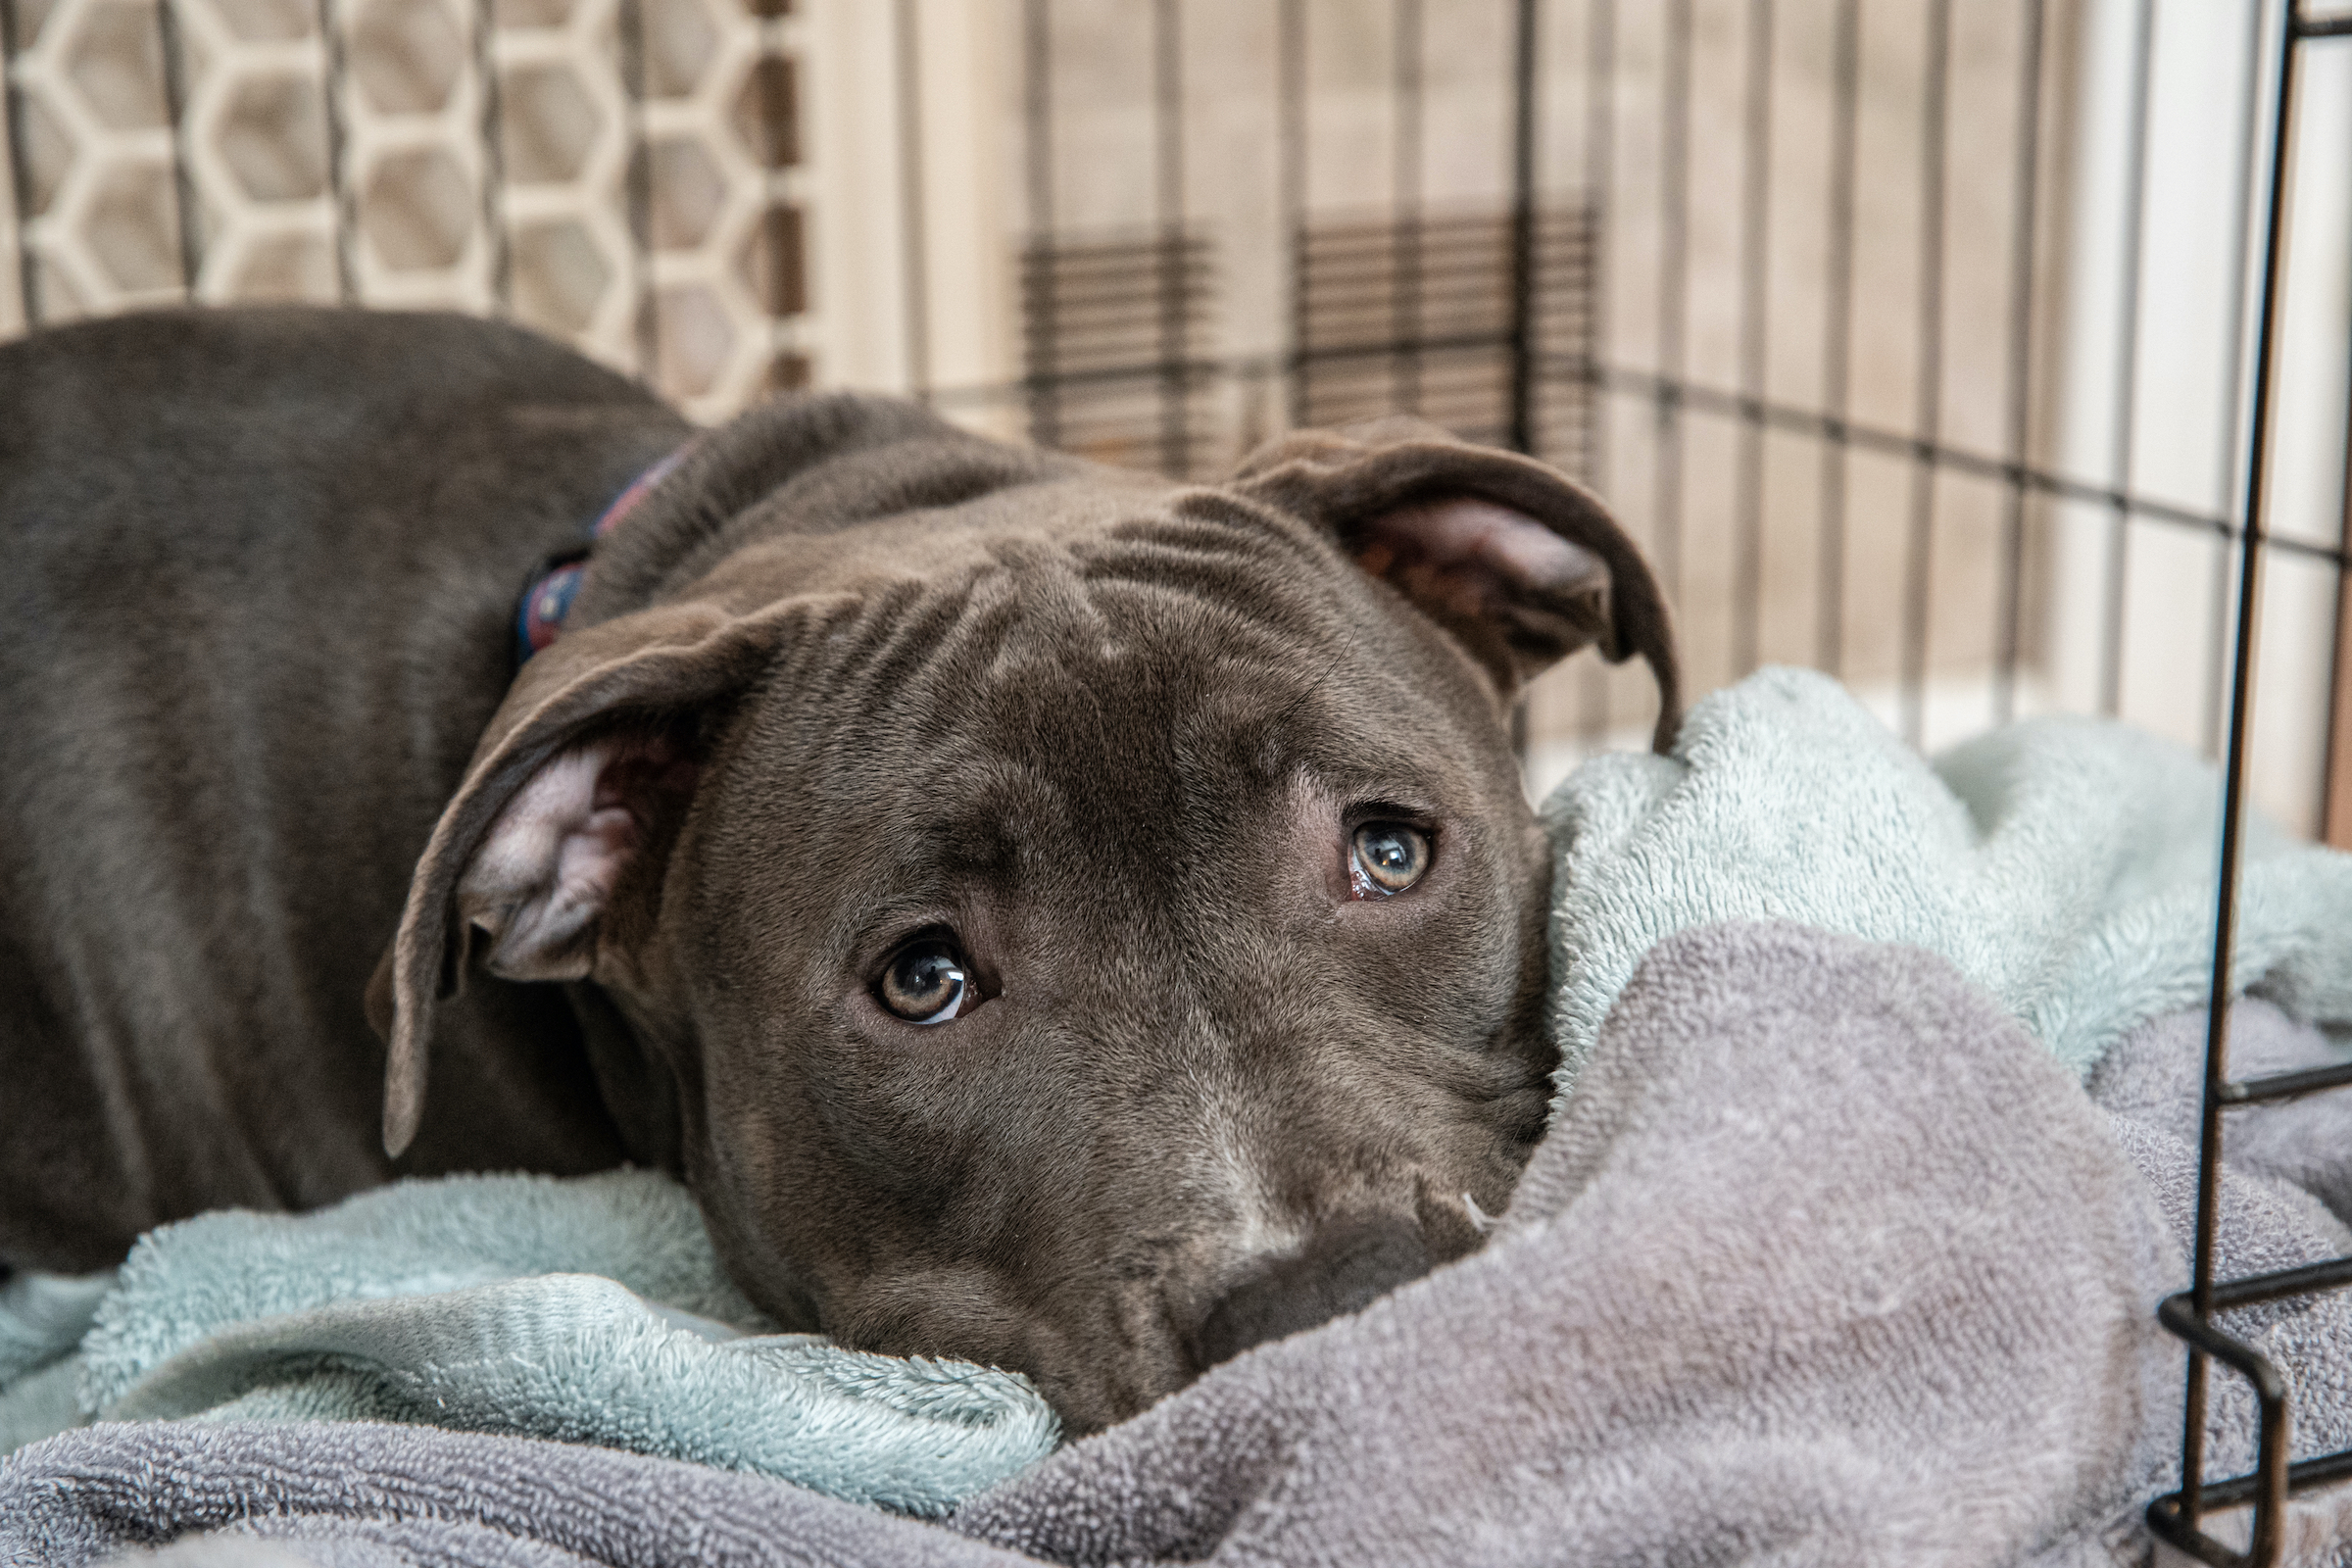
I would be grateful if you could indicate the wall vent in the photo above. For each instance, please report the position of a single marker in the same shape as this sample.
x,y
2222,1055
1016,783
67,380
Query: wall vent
x,y
1116,342
1416,317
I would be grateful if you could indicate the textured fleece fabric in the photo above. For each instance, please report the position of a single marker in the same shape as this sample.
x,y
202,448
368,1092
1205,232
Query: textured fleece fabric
x,y
42,1317
360,1494
2066,865
2285,1162
1828,1263
592,1309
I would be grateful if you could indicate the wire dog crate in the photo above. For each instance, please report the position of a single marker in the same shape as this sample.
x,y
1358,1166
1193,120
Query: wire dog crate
x,y
1966,351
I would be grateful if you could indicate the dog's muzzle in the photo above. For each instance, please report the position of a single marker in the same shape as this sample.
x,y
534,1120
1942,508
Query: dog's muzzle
x,y
1345,1266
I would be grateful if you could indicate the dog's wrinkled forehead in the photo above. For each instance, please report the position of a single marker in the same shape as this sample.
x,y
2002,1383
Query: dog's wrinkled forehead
x,y
1158,641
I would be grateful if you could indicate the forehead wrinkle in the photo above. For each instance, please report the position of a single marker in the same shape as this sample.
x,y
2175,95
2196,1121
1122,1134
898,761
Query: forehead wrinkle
x,y
1153,613
1143,601
970,603
890,648
1254,571
1224,546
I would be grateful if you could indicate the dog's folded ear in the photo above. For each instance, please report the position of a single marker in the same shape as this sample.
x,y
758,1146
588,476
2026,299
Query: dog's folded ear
x,y
1520,564
574,794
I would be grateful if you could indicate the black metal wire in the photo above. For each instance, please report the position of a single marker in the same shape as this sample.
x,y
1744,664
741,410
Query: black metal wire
x,y
20,165
784,285
2331,823
1694,398
494,157
1523,252
2302,1475
1837,338
1039,295
1929,415
2283,1086
187,217
2022,220
638,189
2126,371
1406,288
1168,200
1600,145
2233,407
342,208
913,226
2173,1518
1756,269
1600,163
638,192
1524,261
1674,288
2265,1543
1290,193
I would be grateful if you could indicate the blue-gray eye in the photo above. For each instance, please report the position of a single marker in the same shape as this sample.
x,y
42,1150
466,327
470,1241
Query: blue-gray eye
x,y
926,982
1387,858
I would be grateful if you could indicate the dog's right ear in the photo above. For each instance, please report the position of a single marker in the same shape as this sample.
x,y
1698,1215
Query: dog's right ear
x,y
579,783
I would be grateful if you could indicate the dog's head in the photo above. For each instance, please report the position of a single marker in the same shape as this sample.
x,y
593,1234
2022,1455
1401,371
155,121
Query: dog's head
x,y
1068,920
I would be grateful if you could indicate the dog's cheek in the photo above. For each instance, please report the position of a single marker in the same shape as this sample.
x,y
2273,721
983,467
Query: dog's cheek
x,y
780,1241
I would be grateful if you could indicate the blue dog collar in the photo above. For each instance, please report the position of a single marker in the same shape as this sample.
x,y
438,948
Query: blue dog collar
x,y
539,615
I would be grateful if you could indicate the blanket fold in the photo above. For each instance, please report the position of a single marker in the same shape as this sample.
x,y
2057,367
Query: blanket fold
x,y
42,1318
592,1309
2066,865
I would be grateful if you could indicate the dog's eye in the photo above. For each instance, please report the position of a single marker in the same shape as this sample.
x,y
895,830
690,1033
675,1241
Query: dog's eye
x,y
1387,858
926,982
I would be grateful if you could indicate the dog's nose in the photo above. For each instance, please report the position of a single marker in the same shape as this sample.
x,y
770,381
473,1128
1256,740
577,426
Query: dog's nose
x,y
1344,1265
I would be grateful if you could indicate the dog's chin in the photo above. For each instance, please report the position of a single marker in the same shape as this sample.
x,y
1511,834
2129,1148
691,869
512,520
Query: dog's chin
x,y
1087,1402
1101,1356
1097,1358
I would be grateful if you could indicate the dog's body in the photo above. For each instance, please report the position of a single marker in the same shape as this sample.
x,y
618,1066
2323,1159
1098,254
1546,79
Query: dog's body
x,y
254,612
851,704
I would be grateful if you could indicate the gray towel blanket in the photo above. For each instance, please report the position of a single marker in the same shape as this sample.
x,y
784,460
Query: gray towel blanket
x,y
1827,1262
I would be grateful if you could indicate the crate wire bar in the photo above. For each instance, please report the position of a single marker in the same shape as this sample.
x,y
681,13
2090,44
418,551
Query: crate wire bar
x,y
2178,1517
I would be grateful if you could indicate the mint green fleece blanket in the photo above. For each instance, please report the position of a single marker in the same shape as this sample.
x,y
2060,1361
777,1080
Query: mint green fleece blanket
x,y
2066,865
592,1309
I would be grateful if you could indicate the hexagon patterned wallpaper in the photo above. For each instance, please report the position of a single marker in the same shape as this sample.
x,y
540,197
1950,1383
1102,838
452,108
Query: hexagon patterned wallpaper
x,y
620,173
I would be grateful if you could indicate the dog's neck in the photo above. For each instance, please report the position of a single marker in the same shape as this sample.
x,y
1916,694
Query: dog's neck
x,y
546,599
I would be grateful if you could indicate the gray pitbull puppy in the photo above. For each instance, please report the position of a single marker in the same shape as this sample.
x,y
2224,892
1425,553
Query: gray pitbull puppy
x,y
1051,915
